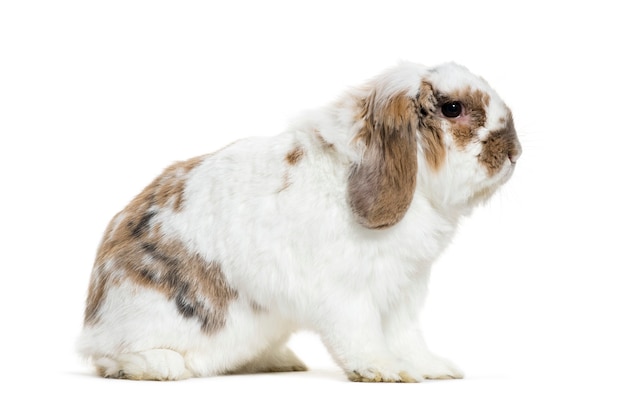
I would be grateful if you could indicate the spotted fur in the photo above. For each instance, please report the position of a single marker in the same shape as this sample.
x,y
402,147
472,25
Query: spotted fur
x,y
331,226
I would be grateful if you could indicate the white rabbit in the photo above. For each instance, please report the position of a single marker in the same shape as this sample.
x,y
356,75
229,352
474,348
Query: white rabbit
x,y
331,226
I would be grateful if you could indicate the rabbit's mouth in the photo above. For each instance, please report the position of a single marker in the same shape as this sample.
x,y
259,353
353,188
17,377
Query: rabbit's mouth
x,y
507,171
494,182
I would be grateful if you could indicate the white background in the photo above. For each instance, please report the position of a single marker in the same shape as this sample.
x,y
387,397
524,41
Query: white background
x,y
96,98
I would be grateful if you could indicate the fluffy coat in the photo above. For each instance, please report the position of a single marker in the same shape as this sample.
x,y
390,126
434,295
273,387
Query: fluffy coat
x,y
331,226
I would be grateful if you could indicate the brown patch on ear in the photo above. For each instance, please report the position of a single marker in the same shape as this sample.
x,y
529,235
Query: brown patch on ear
x,y
429,127
381,187
294,156
135,249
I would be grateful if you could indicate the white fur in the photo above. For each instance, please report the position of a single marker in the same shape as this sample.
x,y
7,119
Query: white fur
x,y
298,253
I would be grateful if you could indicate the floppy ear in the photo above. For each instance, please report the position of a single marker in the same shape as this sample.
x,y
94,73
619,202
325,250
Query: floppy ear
x,y
381,186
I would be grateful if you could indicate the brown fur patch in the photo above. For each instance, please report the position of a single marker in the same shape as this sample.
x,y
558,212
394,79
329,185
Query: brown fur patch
x,y
170,186
429,126
294,156
499,146
323,141
166,190
475,103
381,187
134,249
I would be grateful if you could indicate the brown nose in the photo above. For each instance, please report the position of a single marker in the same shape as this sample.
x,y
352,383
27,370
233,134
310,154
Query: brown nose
x,y
514,155
515,151
500,144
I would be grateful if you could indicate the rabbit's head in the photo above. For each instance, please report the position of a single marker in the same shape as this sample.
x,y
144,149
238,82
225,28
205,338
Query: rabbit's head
x,y
442,132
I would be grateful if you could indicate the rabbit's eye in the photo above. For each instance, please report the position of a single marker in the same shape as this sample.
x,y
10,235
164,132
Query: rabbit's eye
x,y
452,109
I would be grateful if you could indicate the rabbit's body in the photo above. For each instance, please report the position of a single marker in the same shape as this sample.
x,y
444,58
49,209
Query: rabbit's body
x,y
213,266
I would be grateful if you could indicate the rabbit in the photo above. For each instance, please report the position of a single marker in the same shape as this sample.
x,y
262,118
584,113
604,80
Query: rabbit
x,y
330,227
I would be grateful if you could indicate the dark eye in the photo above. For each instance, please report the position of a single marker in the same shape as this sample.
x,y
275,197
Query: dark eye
x,y
452,109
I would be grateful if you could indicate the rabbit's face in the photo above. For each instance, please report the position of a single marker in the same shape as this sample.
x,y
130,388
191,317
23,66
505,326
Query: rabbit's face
x,y
477,145
441,132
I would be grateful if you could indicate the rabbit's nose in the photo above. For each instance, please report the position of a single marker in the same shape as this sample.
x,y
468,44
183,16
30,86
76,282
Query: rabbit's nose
x,y
515,151
514,155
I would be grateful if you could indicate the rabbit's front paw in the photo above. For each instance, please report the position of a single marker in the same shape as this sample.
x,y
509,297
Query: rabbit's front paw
x,y
438,368
382,374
